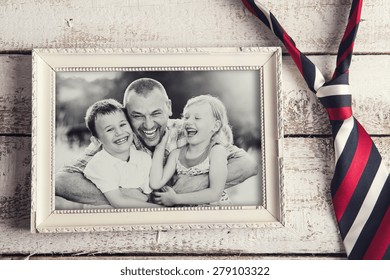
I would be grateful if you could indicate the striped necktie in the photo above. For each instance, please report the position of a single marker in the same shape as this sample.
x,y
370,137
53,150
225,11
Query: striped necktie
x,y
360,187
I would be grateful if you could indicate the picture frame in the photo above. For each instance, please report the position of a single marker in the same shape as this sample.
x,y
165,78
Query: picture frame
x,y
50,66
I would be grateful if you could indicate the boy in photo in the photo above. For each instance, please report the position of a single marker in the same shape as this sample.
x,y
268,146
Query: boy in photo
x,y
119,170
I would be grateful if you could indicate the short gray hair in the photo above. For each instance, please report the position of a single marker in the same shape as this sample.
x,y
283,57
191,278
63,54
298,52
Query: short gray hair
x,y
143,87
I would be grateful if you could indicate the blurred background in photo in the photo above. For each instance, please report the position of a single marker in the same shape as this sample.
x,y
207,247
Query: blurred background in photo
x,y
238,90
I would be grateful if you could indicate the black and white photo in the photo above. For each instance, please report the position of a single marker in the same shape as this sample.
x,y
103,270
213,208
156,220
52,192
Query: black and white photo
x,y
154,135
155,109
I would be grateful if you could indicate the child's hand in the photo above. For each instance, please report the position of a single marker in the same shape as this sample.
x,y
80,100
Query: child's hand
x,y
167,198
164,140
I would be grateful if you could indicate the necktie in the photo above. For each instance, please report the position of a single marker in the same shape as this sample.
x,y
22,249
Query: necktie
x,y
360,187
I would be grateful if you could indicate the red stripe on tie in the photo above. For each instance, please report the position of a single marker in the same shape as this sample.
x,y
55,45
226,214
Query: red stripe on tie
x,y
335,73
353,20
381,240
339,114
345,54
355,170
249,7
294,52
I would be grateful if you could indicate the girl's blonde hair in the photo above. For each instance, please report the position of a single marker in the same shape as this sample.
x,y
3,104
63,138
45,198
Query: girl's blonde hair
x,y
224,135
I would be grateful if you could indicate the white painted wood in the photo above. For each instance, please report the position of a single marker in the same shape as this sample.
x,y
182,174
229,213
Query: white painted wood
x,y
315,25
310,224
15,94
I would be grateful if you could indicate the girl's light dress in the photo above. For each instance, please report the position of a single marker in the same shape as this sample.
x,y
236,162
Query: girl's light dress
x,y
198,166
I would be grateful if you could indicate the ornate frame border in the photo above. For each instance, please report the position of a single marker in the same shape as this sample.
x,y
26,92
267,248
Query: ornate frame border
x,y
46,62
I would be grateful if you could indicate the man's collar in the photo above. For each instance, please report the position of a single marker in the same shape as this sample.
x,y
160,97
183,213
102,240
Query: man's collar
x,y
140,146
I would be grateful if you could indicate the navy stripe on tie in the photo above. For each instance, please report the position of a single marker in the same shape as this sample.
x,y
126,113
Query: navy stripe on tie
x,y
336,101
361,191
336,125
340,80
278,29
353,7
344,65
309,72
348,41
259,13
372,224
345,45
387,254
346,156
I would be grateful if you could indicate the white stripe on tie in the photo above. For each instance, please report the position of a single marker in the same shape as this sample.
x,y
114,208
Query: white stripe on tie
x,y
342,136
366,208
333,90
266,13
319,80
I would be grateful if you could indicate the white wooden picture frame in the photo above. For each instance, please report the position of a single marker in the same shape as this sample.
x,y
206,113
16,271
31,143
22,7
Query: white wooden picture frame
x,y
48,64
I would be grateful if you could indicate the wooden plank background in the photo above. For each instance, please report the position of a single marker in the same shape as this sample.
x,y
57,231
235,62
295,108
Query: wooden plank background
x,y
316,26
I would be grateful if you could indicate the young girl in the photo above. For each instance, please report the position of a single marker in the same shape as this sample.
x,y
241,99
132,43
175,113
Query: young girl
x,y
208,132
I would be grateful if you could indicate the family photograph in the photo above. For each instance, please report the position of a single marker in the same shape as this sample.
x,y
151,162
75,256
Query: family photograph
x,y
157,139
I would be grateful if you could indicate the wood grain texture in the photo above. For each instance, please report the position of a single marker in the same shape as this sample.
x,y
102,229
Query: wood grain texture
x,y
316,25
15,94
310,224
303,114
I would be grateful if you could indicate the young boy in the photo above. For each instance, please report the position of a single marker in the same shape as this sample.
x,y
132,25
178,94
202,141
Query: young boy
x,y
119,170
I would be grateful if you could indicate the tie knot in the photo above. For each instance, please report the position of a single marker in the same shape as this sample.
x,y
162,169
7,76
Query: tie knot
x,y
337,101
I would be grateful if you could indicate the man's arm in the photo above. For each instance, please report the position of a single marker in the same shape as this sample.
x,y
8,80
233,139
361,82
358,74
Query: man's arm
x,y
188,183
75,187
71,184
240,167
64,204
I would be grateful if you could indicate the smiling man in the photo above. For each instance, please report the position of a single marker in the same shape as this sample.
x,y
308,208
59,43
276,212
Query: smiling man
x,y
148,108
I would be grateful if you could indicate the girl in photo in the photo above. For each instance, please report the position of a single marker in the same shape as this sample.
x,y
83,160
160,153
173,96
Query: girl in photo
x,y
208,134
